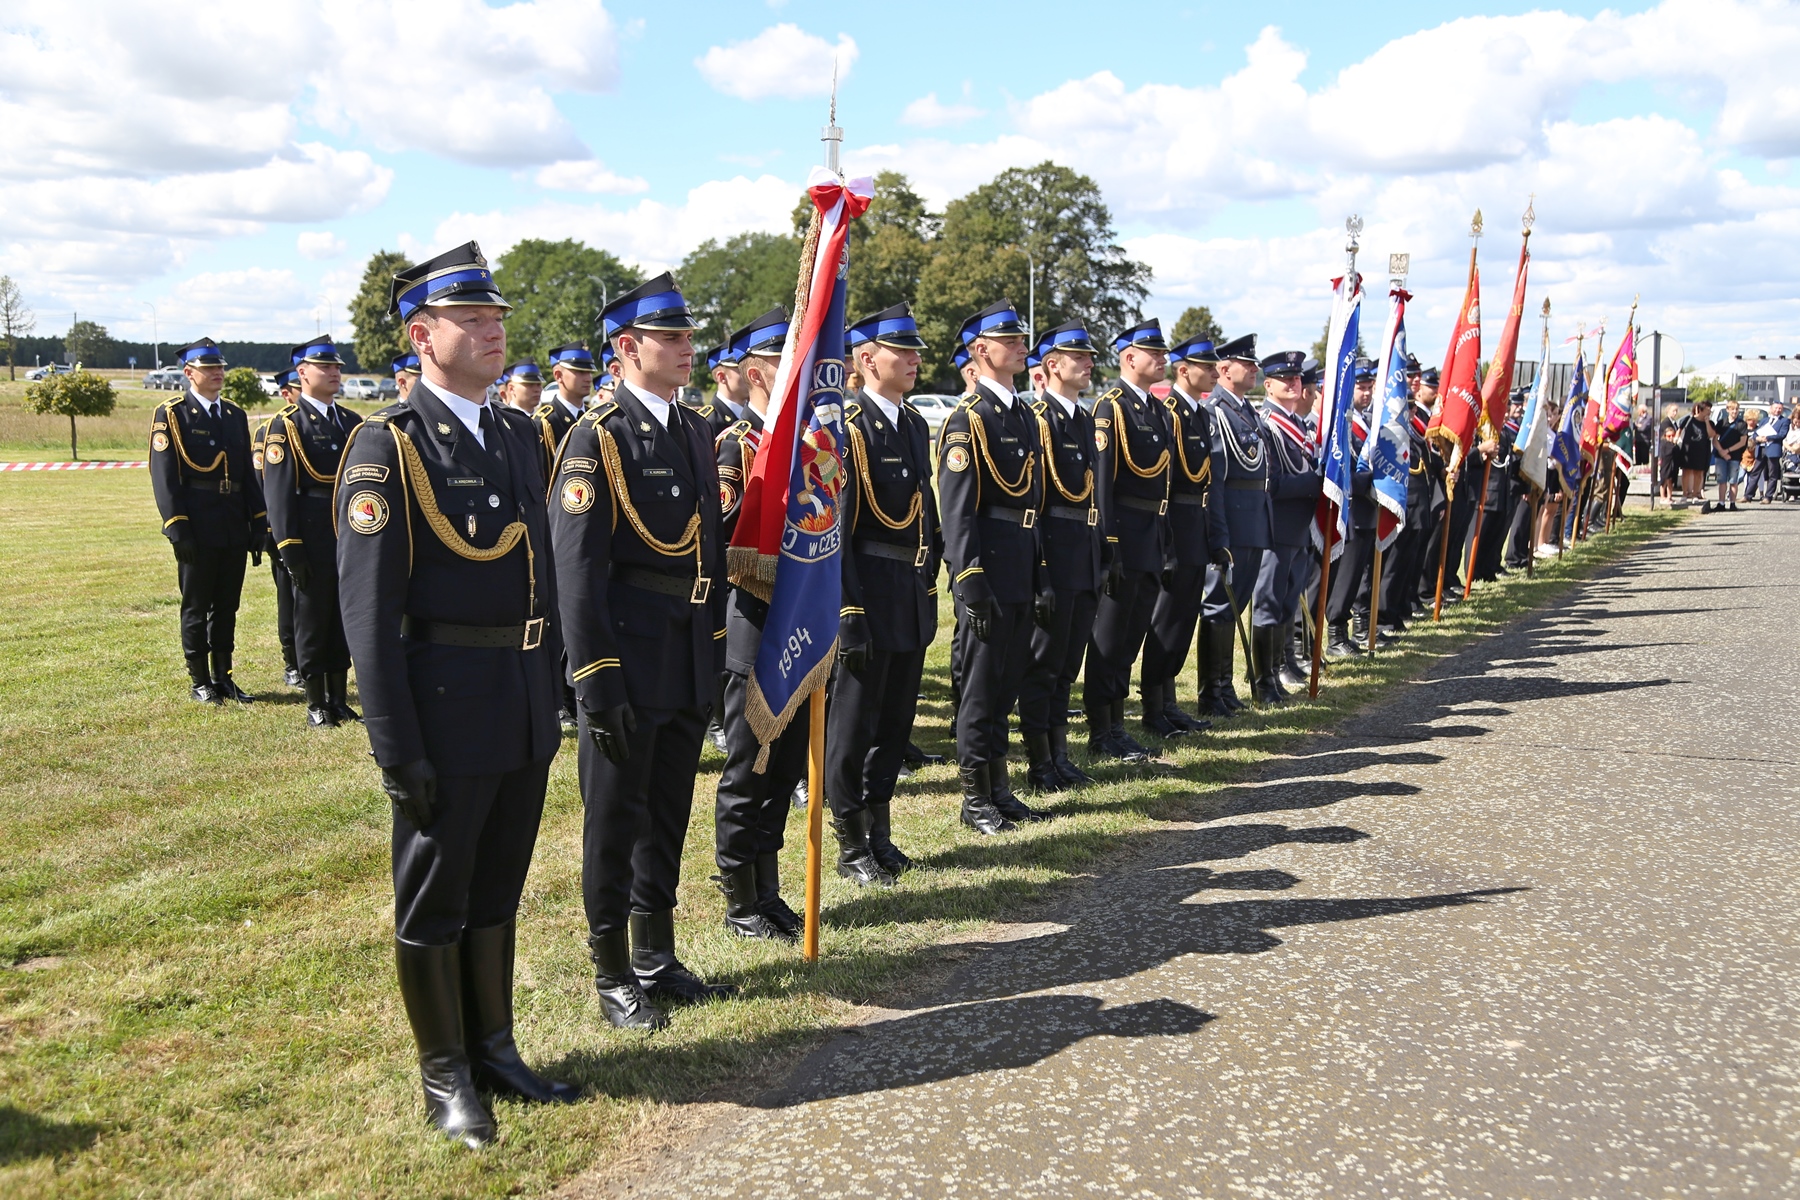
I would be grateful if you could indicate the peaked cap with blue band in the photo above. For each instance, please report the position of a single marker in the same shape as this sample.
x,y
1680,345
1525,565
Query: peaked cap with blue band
x,y
455,277
1147,336
1285,362
606,357
319,350
764,336
203,353
999,319
961,357
1033,360
653,304
1071,337
1238,349
286,379
525,369
406,362
721,356
575,356
1365,368
1199,349
893,326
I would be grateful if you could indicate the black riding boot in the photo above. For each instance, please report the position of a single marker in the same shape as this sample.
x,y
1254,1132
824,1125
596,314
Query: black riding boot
x,y
487,980
1010,806
768,895
1135,751
337,696
1292,673
1225,662
856,861
223,683
1180,715
659,972
318,708
1263,652
1072,775
1340,645
743,914
1212,696
978,811
200,681
1155,718
622,999
431,988
1043,775
1100,742
881,840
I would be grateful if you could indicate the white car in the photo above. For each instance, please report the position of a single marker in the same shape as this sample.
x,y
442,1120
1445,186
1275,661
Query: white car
x,y
933,408
361,389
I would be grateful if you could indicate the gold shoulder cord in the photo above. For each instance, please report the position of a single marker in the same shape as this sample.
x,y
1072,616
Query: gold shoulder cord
x,y
1050,468
1192,476
859,448
615,475
1124,444
511,536
181,449
299,453
1017,487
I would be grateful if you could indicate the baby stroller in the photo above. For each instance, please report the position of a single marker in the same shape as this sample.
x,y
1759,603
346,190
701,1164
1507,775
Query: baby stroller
x,y
1790,477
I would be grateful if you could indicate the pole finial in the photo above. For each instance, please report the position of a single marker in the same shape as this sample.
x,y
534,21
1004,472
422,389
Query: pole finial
x,y
832,136
1475,225
1530,217
1546,310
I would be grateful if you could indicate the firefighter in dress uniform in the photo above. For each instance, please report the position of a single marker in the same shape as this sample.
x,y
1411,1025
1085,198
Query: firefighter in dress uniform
x,y
287,389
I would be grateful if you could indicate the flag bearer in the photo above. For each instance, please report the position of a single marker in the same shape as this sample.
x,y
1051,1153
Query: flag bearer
x,y
1294,487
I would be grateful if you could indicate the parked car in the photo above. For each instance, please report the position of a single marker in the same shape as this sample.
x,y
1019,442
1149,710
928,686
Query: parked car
x,y
933,408
47,370
360,389
386,388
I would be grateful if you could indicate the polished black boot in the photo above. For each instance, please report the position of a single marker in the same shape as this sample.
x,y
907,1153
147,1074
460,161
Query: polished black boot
x,y
1179,715
1134,750
1359,630
201,685
1043,775
1072,775
1155,719
431,988
1340,645
743,915
978,811
1215,640
768,895
1100,743
1225,640
662,976
318,710
1263,651
856,861
916,758
1010,806
881,840
1292,674
337,696
622,999
224,684
487,979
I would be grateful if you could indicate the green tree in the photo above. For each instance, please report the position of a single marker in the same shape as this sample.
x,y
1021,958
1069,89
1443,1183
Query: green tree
x,y
243,387
15,320
1714,391
979,255
73,394
86,342
1196,322
727,285
380,337
557,290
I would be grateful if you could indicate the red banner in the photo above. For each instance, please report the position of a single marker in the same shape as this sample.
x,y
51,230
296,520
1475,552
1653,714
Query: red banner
x,y
1497,388
1459,411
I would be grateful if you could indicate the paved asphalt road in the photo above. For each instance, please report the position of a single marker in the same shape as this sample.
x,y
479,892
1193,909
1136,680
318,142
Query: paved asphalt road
x,y
1529,930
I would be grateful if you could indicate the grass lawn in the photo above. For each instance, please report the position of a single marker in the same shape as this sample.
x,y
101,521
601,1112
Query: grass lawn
x,y
196,983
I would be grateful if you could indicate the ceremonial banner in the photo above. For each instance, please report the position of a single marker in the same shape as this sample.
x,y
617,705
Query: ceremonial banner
x,y
1621,383
1337,446
1459,411
1534,428
788,537
1565,450
1387,451
1497,387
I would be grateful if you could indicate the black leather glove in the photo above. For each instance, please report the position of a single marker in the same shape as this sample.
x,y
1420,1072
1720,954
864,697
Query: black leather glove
x,y
980,613
1221,556
853,643
413,789
1115,577
611,729
184,551
1043,607
256,555
1168,579
298,568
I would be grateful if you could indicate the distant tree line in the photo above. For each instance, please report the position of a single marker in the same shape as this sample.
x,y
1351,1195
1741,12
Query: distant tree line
x,y
97,349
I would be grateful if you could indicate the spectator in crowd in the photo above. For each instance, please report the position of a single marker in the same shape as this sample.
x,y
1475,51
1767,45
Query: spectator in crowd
x,y
1765,442
1668,440
1643,435
1731,434
1693,451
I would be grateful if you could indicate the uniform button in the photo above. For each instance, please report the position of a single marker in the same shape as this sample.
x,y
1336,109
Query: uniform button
x,y
903,474
493,501
440,691
675,489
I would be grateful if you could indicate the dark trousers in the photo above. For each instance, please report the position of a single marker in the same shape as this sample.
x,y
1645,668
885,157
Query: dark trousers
x,y
635,816
991,674
1056,655
867,725
1462,517
1431,547
1246,564
1172,622
1278,586
1518,532
1350,578
284,610
1400,577
211,586
466,869
1493,540
1121,621
750,814
319,625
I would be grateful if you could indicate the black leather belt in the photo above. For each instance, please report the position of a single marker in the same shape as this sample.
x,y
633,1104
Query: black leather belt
x,y
1087,516
1247,485
527,636
224,487
915,555
1025,517
1195,498
1159,507
690,588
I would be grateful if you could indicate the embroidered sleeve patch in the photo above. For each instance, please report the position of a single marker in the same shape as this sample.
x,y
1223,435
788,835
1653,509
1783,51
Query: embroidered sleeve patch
x,y
368,512
578,494
273,452
1100,439
727,495
373,472
957,458
159,441
950,439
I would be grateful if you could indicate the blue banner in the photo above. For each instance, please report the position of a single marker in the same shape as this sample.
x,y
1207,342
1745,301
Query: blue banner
x,y
1565,450
1338,448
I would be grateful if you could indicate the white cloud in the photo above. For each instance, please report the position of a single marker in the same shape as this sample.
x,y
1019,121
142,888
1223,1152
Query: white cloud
x,y
782,61
928,112
588,175
319,244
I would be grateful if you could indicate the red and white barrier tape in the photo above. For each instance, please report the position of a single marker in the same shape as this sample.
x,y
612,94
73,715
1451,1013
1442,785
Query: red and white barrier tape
x,y
68,466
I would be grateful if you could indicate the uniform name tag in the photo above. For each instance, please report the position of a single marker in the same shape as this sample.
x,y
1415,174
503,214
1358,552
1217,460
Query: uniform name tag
x,y
1008,441
890,458
465,481
657,472
372,471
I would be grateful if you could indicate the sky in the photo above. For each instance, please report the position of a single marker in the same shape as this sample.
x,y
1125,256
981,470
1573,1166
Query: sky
x,y
224,169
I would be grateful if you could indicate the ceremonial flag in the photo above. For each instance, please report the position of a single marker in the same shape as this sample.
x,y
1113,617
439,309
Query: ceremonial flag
x,y
1459,411
1334,418
1621,383
1533,446
1387,451
1497,387
788,537
1565,450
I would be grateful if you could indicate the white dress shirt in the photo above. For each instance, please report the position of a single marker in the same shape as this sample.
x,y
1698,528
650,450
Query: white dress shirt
x,y
999,391
659,408
886,407
467,411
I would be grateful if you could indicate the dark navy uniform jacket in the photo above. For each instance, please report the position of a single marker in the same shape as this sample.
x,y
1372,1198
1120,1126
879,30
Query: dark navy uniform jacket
x,y
436,528
1074,550
1362,490
1131,434
1196,517
640,560
718,418
734,453
1240,442
202,473
1294,479
1420,481
989,488
892,541
300,453
553,420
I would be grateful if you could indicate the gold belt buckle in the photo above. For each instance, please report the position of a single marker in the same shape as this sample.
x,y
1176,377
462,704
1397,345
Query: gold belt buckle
x,y
1164,510
1093,516
920,557
702,589
224,487
1029,519
534,634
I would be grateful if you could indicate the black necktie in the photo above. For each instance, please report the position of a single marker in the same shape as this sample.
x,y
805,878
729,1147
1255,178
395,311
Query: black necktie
x,y
490,430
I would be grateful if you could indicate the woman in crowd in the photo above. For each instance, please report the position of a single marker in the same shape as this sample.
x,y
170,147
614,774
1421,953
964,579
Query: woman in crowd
x,y
1693,451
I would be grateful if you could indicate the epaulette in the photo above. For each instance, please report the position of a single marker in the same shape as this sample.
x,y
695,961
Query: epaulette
x,y
287,410
544,409
383,416
739,427
600,412
705,410
969,400
1038,405
1112,393
852,410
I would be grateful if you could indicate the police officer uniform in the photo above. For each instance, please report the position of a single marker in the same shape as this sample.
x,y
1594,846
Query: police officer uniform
x,y
634,519
449,608
1294,487
991,493
1241,447
287,386
889,564
1197,536
301,450
751,809
211,502
1075,556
